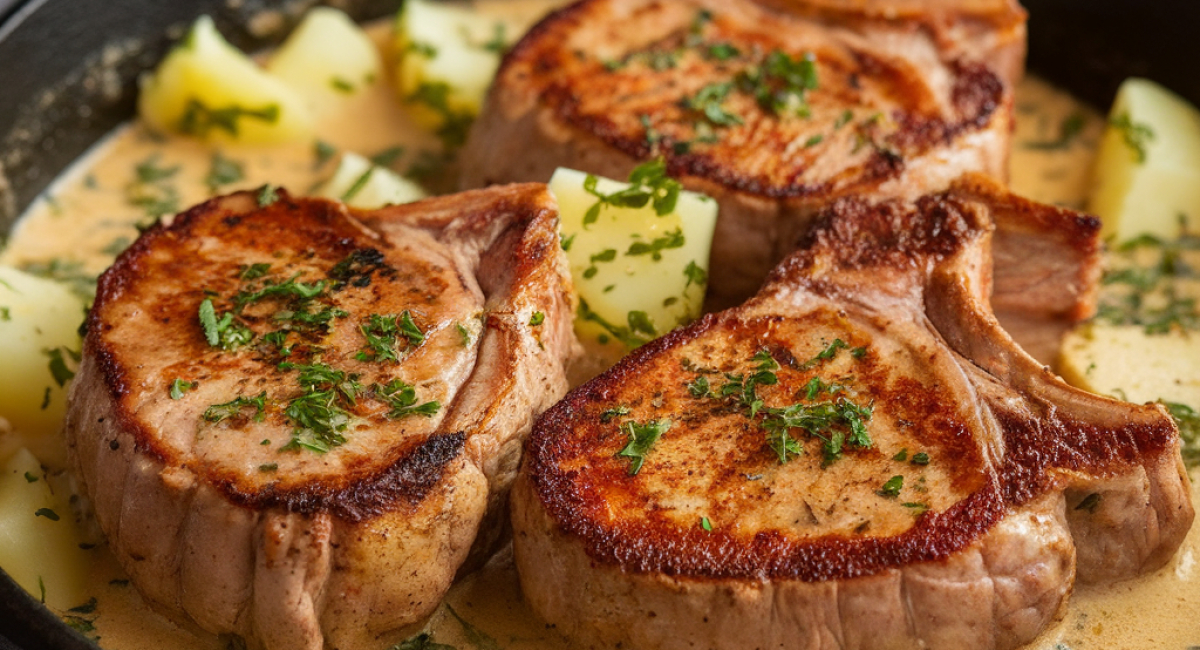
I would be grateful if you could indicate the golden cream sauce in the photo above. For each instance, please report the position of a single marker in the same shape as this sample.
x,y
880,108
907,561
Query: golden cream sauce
x,y
85,217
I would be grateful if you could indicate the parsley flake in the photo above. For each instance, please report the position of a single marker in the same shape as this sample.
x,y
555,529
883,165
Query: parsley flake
x,y
641,438
892,487
179,387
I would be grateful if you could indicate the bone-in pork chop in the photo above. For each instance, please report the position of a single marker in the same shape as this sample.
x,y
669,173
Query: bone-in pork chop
x,y
292,419
773,108
857,458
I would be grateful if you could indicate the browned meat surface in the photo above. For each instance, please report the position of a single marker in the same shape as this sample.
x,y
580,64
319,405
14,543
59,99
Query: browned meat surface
x,y
773,108
859,457
308,464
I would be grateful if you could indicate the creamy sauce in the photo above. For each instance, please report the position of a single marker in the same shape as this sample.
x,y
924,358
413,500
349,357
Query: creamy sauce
x,y
86,217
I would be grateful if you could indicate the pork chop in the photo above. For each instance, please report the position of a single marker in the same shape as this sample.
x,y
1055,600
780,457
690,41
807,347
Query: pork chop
x,y
773,108
859,457
292,419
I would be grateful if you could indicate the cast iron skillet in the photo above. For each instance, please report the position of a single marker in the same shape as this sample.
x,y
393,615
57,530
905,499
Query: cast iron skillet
x,y
56,99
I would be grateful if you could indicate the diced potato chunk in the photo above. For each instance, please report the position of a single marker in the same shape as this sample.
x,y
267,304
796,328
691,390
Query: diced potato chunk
x,y
1125,362
207,88
639,275
448,56
327,59
1147,171
360,184
39,539
36,316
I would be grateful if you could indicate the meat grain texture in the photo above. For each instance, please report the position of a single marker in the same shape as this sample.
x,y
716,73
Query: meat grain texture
x,y
324,521
984,488
903,97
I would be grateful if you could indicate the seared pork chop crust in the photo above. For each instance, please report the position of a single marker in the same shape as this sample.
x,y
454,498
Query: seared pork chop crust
x,y
308,463
725,93
983,485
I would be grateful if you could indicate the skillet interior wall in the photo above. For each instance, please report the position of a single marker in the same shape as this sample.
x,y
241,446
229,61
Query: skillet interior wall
x,y
68,73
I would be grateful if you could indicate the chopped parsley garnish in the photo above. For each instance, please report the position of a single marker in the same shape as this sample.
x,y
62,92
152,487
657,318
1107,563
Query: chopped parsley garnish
x,y
47,513
455,122
708,104
382,334
267,195
648,184
609,414
892,487
537,319
497,43
234,408
722,52
69,272
706,524
826,354
632,335
920,458
151,190
322,152
223,171
464,335
179,387
225,331
1188,421
59,370
1146,293
357,186
1135,134
253,271
357,269
30,478
655,247
386,157
1068,131
696,275
402,397
421,48
840,423
780,84
149,171
198,118
641,438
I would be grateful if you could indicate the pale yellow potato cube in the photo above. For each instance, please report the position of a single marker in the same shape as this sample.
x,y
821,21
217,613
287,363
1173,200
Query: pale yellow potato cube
x,y
638,275
36,316
327,59
360,184
207,88
1147,172
448,55
39,539
1125,362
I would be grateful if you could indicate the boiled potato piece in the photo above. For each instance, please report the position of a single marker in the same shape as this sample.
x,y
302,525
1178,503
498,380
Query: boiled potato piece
x,y
327,59
207,88
1147,171
448,56
39,539
36,315
360,184
1125,362
638,274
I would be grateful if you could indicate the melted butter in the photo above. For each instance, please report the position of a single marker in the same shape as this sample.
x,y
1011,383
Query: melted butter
x,y
85,217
